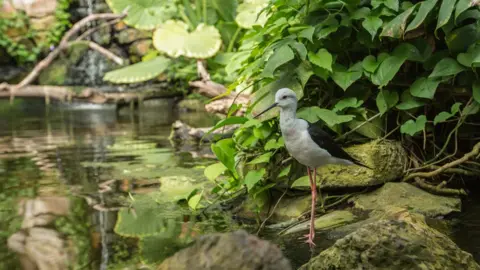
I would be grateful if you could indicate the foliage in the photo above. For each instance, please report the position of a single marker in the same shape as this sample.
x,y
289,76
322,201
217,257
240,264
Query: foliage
x,y
23,43
364,67
139,72
199,29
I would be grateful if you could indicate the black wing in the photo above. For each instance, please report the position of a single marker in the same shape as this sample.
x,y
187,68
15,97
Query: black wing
x,y
325,141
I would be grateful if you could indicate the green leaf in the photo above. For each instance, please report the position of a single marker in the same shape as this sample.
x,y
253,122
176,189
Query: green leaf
x,y
213,171
281,56
225,150
173,39
309,114
370,63
463,5
304,72
423,11
345,79
303,181
300,48
409,102
331,118
471,58
139,72
372,130
157,248
144,14
411,127
386,100
273,144
446,9
194,201
476,91
253,177
391,4
264,158
248,13
396,27
321,59
444,116
325,32
226,8
387,70
372,24
424,87
307,33
461,38
284,172
446,67
350,102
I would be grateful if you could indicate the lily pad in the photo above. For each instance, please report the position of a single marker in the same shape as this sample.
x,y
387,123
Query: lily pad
x,y
174,39
139,72
144,14
249,13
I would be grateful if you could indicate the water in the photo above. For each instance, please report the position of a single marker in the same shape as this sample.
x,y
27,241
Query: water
x,y
93,157
96,157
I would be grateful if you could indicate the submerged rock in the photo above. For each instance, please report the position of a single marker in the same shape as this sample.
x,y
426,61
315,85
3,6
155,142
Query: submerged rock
x,y
328,221
407,196
237,250
292,208
386,158
405,243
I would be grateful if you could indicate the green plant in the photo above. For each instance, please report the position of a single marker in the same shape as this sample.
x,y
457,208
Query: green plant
x,y
22,42
367,70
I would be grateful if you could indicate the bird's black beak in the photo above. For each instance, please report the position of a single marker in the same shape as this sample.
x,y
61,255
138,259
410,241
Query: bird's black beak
x,y
267,109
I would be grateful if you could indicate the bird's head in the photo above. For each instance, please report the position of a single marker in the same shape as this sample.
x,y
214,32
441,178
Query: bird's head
x,y
284,98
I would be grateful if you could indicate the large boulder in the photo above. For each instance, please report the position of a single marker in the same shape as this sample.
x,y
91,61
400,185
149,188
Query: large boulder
x,y
402,243
237,250
386,158
407,196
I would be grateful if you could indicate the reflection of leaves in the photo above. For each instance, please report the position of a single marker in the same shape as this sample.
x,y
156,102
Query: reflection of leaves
x,y
155,249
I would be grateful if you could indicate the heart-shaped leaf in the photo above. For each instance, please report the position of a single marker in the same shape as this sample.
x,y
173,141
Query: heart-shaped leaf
x,y
446,67
344,78
173,39
386,99
424,87
411,127
409,102
350,102
215,170
372,24
444,116
471,58
281,56
253,177
321,59
225,150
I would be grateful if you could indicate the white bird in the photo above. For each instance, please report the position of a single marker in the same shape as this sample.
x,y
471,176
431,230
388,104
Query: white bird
x,y
308,144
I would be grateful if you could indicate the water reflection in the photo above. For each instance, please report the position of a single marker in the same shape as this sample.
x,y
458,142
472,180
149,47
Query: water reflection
x,y
91,157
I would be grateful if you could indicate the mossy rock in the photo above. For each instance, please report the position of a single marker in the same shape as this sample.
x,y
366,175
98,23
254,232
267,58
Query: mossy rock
x,y
409,197
394,244
386,158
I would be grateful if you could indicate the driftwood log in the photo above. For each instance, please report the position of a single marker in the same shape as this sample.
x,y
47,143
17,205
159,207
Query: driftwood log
x,y
182,132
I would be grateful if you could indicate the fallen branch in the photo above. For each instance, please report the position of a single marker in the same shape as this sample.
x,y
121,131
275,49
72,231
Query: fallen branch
x,y
94,46
475,151
438,189
63,45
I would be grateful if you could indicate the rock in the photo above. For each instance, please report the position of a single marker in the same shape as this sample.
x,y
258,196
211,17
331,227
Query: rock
x,y
404,243
54,74
141,47
42,211
182,132
407,196
328,221
194,105
291,208
36,8
237,250
41,249
102,36
387,158
43,23
130,35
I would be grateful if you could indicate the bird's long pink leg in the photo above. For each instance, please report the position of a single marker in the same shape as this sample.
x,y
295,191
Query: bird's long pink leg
x,y
313,186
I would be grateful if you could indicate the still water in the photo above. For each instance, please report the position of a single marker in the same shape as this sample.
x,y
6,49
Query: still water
x,y
85,163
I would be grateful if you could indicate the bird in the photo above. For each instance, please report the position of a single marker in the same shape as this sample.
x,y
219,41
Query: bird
x,y
308,144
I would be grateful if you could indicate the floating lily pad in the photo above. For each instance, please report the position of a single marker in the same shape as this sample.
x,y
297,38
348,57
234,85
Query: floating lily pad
x,y
144,14
174,39
139,72
249,13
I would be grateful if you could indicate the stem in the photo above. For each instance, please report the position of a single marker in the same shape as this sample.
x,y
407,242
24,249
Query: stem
x,y
205,11
234,38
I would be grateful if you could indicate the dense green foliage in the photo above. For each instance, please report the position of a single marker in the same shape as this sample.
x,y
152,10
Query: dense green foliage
x,y
365,69
23,43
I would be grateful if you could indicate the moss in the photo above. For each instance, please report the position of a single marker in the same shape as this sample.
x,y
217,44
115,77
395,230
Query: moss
x,y
54,74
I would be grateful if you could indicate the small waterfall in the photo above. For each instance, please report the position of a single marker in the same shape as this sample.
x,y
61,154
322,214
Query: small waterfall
x,y
92,69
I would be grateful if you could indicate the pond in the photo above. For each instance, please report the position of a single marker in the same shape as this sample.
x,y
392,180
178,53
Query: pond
x,y
98,159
